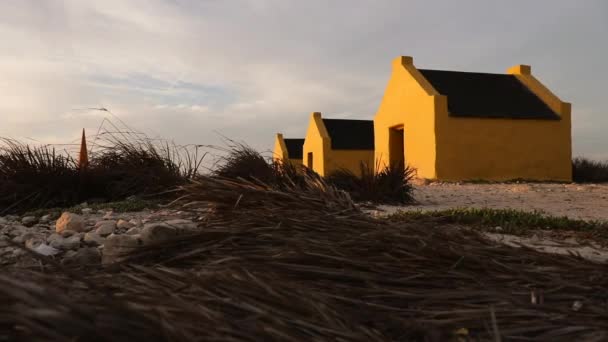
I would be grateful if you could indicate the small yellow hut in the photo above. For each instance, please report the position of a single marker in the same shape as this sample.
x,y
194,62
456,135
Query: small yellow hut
x,y
453,125
333,144
288,149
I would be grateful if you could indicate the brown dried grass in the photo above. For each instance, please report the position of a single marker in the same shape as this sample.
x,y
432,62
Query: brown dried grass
x,y
305,264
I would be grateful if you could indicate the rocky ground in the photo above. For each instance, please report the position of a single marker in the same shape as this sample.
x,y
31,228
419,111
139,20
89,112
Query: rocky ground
x,y
94,236
577,201
90,237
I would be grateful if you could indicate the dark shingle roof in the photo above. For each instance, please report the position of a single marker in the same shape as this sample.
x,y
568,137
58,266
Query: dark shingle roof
x,y
350,134
295,148
472,94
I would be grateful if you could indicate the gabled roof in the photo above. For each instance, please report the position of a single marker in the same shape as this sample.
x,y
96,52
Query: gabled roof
x,y
350,134
472,94
295,148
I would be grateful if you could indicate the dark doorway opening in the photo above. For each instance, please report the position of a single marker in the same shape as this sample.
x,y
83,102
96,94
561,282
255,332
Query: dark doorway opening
x,y
396,143
309,160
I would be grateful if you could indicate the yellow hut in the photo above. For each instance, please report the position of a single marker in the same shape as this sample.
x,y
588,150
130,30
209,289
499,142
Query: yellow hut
x,y
288,149
333,144
453,125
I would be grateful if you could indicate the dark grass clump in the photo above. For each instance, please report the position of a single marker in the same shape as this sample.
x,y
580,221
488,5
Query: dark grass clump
x,y
122,166
392,185
32,177
244,162
589,171
140,168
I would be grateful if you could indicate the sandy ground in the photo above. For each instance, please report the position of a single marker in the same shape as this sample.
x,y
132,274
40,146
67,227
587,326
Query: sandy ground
x,y
587,202
589,250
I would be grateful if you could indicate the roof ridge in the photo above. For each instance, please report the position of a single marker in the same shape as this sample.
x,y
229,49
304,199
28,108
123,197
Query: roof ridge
x,y
466,72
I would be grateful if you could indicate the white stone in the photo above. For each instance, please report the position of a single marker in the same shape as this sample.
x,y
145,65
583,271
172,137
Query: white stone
x,y
93,238
45,218
181,224
136,223
45,249
117,246
29,220
105,228
72,242
69,221
87,211
108,216
133,231
157,232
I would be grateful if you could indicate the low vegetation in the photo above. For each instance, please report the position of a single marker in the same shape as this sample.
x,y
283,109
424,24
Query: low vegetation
x,y
42,177
510,221
589,171
392,185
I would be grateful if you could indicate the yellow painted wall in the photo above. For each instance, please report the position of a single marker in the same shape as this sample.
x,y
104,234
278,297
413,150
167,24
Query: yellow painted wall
x,y
451,148
349,159
316,141
409,100
326,160
280,149
280,152
507,149
502,149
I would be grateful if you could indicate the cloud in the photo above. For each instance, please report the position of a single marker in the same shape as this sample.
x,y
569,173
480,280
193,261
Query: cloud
x,y
248,69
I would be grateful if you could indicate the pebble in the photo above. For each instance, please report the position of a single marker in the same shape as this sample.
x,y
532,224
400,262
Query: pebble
x,y
117,246
86,211
67,233
72,242
136,223
45,218
157,232
133,231
93,238
69,221
83,256
105,228
89,238
29,220
34,241
122,224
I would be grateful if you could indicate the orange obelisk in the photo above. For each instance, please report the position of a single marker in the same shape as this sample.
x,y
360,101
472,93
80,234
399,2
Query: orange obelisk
x,y
83,157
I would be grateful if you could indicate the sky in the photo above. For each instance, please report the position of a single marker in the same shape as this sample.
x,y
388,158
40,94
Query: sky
x,y
194,71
